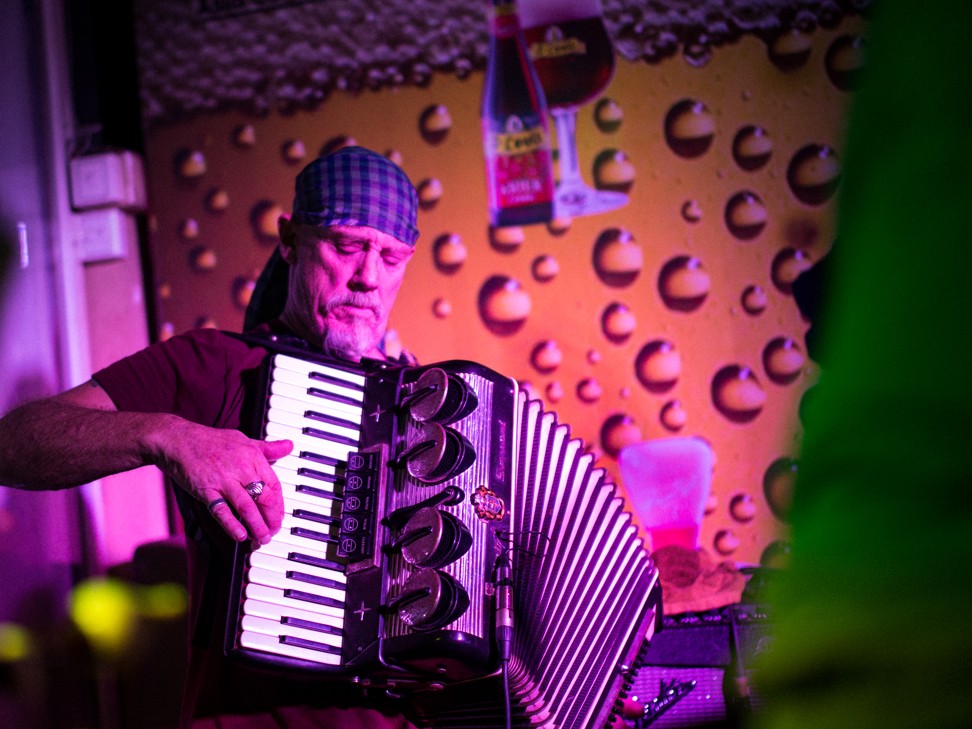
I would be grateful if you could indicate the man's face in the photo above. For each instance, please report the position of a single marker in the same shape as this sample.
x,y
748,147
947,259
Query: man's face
x,y
343,283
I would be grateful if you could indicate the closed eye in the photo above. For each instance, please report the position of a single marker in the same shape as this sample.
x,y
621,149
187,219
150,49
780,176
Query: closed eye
x,y
394,259
348,246
351,246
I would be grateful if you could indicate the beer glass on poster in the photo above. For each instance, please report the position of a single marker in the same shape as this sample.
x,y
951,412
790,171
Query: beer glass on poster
x,y
574,58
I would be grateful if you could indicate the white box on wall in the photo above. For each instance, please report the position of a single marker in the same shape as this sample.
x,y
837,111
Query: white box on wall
x,y
106,234
110,179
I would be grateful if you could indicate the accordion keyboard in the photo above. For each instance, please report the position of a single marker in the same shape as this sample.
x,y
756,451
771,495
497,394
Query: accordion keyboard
x,y
294,601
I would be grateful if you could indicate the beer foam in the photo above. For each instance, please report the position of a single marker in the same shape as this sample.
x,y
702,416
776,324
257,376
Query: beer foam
x,y
262,56
545,12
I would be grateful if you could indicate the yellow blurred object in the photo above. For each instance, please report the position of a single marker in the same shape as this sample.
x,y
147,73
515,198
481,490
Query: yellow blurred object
x,y
163,601
15,642
104,611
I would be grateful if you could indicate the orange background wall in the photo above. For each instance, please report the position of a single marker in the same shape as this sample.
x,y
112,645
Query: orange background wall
x,y
218,178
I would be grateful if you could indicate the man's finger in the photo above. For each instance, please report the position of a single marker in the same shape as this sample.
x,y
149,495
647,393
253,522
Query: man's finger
x,y
274,450
271,502
252,516
220,510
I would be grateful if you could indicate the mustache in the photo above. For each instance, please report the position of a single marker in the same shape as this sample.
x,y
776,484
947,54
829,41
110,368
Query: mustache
x,y
356,299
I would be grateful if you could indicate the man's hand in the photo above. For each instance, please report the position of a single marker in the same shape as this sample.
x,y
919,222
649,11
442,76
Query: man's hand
x,y
212,463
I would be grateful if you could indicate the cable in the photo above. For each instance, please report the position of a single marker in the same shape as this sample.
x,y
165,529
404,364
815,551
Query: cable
x,y
506,694
504,625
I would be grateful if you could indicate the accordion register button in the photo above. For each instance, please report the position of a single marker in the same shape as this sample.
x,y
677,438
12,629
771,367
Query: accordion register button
x,y
430,599
434,453
439,397
433,538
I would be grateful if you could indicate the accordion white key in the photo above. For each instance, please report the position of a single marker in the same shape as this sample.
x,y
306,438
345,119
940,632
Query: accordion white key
x,y
431,512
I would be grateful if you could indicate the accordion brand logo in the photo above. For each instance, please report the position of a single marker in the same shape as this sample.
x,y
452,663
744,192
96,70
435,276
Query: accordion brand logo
x,y
489,506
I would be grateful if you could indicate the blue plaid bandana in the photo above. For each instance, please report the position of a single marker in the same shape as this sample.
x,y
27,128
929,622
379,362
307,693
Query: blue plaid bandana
x,y
355,186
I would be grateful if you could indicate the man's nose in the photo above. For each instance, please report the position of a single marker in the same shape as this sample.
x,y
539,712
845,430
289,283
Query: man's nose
x,y
366,274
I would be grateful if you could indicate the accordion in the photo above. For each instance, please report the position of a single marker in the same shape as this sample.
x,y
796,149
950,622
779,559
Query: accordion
x,y
446,541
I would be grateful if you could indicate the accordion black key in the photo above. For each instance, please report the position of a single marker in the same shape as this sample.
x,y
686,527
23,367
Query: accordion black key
x,y
439,524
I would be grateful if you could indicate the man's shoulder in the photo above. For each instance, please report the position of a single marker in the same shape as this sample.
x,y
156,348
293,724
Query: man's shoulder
x,y
205,348
219,339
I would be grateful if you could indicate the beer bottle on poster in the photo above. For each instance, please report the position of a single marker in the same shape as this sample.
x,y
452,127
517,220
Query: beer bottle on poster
x,y
516,135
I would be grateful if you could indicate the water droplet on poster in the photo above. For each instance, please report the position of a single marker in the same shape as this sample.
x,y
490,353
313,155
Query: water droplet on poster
x,y
787,265
778,483
613,170
435,123
790,49
506,239
293,151
618,258
814,174
545,268
449,252
754,300
689,128
683,283
503,305
746,215
742,508
737,393
726,542
783,360
845,61
618,323
441,308
429,193
619,430
589,390
691,211
673,416
658,365
608,115
752,147
546,357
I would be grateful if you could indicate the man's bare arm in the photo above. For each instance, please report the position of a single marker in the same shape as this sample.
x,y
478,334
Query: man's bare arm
x,y
73,438
79,436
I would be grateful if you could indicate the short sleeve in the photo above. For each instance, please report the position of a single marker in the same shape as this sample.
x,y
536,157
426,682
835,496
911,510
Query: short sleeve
x,y
201,375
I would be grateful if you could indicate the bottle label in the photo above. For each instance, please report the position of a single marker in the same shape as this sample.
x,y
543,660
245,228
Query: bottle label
x,y
519,165
520,142
554,45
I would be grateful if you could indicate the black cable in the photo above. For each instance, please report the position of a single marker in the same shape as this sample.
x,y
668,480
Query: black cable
x,y
504,626
506,694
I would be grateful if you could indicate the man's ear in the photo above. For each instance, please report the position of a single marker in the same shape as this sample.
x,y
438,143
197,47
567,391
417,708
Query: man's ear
x,y
288,238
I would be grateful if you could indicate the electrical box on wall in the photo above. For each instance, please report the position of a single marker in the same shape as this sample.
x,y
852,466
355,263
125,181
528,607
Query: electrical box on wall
x,y
106,234
110,179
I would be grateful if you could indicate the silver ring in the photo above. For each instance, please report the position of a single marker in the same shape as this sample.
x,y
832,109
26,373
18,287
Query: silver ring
x,y
254,489
211,506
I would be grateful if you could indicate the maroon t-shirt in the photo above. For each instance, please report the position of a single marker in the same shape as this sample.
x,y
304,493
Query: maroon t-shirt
x,y
211,377
201,375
